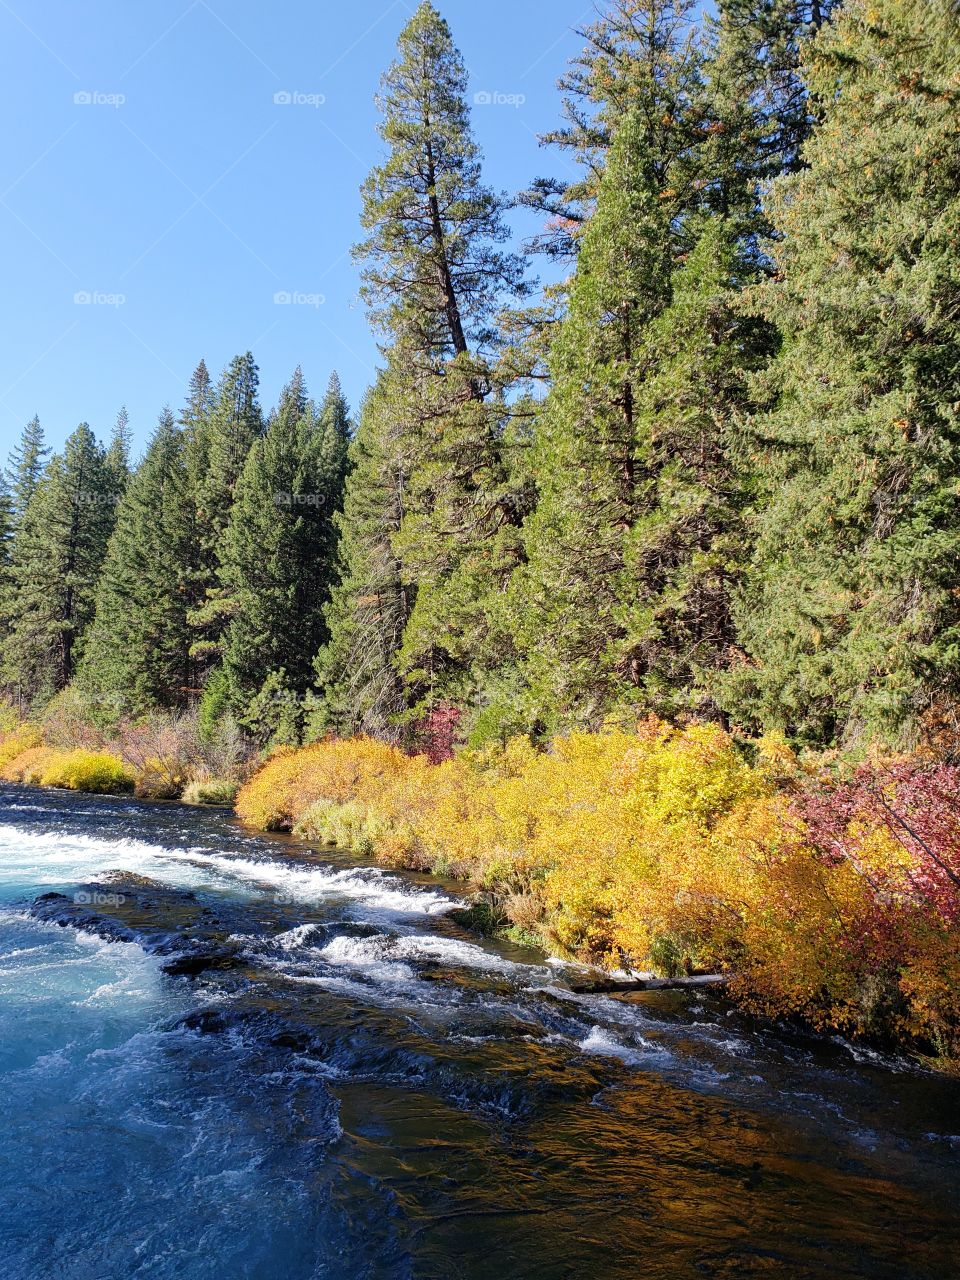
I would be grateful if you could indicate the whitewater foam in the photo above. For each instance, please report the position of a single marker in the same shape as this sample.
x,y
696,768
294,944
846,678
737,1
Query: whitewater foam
x,y
48,859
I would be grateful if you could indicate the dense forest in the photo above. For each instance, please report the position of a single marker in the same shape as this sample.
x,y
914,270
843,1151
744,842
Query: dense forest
x,y
709,483
712,476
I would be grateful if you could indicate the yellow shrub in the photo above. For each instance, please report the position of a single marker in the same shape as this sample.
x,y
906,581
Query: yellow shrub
x,y
278,795
160,779
17,740
86,771
615,836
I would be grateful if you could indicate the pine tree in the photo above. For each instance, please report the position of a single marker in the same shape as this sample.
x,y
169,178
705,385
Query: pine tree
x,y
358,686
25,467
118,452
433,278
686,550
277,555
58,553
594,466
137,652
7,528
432,272
195,422
761,46
336,429
600,86
233,424
851,618
219,441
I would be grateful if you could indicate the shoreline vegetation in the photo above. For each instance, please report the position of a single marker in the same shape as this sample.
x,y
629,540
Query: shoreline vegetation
x,y
818,889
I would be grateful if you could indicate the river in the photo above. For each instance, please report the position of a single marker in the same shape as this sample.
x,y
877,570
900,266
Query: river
x,y
226,1055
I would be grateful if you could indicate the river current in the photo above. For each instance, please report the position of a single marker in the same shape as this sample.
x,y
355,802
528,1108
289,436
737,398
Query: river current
x,y
227,1055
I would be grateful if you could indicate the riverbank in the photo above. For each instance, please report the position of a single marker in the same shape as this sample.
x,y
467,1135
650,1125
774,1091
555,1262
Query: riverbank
x,y
823,896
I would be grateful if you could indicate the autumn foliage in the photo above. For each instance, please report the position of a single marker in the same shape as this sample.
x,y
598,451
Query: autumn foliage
x,y
76,770
837,899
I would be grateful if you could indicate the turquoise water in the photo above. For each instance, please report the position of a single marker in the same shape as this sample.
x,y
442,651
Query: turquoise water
x,y
361,1089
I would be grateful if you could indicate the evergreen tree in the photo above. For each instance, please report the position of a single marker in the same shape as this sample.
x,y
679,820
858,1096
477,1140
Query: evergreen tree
x,y
433,278
635,541
336,429
761,45
219,440
586,454
686,550
195,423
232,425
602,83
118,452
58,553
25,467
359,687
851,618
756,86
7,528
432,272
137,652
277,555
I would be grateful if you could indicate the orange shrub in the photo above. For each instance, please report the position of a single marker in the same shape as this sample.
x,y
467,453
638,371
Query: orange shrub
x,y
28,766
16,741
278,795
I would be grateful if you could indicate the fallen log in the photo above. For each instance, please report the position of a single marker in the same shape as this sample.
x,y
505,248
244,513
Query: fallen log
x,y
615,986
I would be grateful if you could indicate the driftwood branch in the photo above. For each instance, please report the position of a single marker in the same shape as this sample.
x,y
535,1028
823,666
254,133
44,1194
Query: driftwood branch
x,y
612,986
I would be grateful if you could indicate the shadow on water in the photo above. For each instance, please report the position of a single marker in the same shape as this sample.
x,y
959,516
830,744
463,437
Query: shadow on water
x,y
241,1056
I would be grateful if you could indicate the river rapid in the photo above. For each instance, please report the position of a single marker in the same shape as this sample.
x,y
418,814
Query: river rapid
x,y
227,1055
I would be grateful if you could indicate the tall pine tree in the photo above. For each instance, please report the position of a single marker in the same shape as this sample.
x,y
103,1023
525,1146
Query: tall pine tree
x,y
609,76
58,553
219,439
592,460
359,688
137,652
434,276
276,560
851,618
25,467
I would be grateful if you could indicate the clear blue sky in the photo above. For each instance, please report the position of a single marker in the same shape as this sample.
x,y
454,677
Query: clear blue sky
x,y
182,186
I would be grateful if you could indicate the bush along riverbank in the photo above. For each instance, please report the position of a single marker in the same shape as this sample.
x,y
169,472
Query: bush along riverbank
x,y
826,894
158,757
822,890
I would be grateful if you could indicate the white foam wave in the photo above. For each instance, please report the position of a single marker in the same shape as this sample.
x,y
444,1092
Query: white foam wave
x,y
360,952
602,1043
52,858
